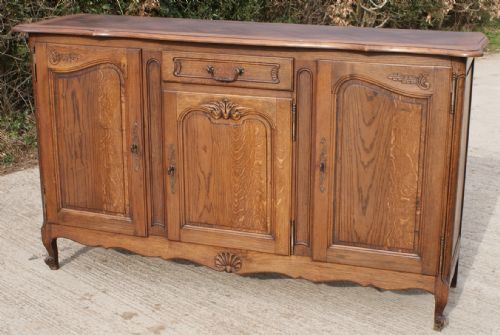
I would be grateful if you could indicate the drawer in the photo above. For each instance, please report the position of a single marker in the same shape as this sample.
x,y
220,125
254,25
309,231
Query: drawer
x,y
230,70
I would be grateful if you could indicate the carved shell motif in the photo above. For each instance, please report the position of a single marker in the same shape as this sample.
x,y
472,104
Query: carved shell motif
x,y
224,109
420,80
226,261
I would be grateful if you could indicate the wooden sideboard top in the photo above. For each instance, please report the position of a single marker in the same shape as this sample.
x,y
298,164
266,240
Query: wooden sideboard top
x,y
460,44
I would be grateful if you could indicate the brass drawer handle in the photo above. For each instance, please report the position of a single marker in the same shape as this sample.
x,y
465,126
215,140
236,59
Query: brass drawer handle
x,y
237,72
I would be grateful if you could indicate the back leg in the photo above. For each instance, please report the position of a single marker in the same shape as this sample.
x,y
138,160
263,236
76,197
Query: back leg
x,y
455,276
50,243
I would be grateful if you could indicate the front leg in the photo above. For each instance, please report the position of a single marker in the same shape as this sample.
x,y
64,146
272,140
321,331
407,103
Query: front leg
x,y
50,243
441,299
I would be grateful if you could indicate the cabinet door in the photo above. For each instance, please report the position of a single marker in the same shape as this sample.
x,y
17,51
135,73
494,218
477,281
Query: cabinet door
x,y
382,139
228,177
90,126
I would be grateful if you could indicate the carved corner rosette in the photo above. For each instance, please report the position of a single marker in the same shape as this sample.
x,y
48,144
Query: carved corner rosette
x,y
224,109
228,262
409,79
56,57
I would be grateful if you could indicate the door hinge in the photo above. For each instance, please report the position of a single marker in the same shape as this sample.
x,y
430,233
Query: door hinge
x,y
292,235
294,121
453,93
441,255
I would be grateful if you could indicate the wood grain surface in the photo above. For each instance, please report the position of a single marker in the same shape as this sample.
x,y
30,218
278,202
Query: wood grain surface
x,y
233,169
228,69
462,44
153,127
382,135
379,162
321,164
89,117
305,84
95,165
227,173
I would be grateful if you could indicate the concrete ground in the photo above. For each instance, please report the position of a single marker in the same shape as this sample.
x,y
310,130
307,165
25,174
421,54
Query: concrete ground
x,y
100,291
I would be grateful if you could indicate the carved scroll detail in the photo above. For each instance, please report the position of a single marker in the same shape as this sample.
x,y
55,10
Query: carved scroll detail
x,y
409,79
57,57
226,261
177,67
275,74
224,109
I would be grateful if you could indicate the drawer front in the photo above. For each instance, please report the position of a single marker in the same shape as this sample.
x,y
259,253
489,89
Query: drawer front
x,y
230,70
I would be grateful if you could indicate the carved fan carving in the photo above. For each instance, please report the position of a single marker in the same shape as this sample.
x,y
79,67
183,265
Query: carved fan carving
x,y
224,109
226,261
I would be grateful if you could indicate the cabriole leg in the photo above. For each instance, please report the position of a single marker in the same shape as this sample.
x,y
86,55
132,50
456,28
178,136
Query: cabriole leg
x,y
441,299
50,243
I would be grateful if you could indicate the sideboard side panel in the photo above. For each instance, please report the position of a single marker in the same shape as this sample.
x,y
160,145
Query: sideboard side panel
x,y
464,137
44,131
457,163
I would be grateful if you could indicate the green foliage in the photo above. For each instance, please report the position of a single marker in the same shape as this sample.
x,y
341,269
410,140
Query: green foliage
x,y
492,31
494,37
239,10
17,127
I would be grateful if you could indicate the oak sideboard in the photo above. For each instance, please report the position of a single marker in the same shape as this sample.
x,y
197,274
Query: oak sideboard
x,y
326,153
